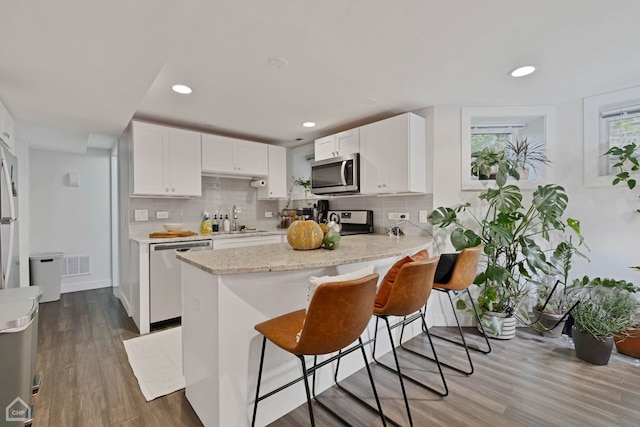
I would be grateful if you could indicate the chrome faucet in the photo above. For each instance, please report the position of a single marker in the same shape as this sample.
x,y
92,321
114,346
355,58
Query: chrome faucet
x,y
234,226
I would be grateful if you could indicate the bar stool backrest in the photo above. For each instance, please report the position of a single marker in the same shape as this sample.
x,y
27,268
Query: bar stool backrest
x,y
337,315
465,269
411,288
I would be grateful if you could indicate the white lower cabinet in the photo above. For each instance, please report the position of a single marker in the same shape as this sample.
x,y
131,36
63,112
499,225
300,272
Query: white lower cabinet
x,y
393,155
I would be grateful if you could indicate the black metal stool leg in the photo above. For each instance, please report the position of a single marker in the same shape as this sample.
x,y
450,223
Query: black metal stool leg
x,y
306,388
395,356
255,404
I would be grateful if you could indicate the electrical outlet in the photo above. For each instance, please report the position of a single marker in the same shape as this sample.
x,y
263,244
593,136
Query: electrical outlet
x,y
162,214
424,217
397,216
268,214
141,215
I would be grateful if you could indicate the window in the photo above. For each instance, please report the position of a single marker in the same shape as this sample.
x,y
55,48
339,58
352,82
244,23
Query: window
x,y
502,128
610,120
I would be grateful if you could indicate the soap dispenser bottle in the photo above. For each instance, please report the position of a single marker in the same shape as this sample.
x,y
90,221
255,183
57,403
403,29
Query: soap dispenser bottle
x,y
226,224
216,227
207,225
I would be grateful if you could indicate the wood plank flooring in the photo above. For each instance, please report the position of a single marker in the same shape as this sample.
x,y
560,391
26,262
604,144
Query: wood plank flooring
x,y
527,381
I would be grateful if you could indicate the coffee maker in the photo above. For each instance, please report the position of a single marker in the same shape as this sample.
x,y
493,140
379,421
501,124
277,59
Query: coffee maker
x,y
323,211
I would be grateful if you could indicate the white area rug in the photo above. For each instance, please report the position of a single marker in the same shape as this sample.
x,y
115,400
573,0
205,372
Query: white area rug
x,y
156,360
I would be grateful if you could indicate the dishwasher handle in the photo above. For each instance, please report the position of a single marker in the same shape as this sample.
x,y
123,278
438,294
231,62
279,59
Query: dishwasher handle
x,y
182,246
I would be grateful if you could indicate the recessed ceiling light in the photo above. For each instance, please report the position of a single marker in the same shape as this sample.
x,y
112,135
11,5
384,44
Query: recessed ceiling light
x,y
277,62
185,90
522,71
309,124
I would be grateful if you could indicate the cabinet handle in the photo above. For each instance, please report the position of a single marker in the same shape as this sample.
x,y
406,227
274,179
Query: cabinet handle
x,y
173,190
166,190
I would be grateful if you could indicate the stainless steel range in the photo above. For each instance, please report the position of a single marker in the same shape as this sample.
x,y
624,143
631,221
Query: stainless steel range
x,y
353,222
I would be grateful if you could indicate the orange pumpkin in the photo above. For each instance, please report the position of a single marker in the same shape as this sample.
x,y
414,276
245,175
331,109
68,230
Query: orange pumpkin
x,y
304,235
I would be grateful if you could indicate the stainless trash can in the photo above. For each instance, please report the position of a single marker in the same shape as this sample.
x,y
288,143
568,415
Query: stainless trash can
x,y
16,323
28,293
45,270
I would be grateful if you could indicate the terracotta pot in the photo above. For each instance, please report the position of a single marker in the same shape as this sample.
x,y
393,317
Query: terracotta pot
x,y
629,345
508,325
591,349
547,322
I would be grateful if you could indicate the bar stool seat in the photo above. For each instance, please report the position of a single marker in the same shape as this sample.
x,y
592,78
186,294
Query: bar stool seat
x,y
337,315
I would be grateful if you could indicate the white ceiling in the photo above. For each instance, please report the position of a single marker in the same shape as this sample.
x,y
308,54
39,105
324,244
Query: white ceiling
x,y
75,72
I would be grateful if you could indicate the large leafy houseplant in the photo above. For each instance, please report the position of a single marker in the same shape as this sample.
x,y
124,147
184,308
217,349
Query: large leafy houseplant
x,y
511,234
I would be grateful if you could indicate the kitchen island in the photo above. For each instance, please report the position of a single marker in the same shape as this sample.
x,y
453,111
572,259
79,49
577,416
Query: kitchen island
x,y
227,292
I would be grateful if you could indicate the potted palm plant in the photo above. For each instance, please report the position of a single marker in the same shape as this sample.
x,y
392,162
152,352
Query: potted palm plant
x,y
602,312
526,155
510,233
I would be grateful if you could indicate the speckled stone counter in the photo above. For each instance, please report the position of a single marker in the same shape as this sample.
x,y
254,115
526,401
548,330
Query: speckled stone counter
x,y
282,257
225,293
143,237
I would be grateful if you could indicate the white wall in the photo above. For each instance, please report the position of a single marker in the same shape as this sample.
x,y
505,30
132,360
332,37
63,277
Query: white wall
x,y
73,220
609,224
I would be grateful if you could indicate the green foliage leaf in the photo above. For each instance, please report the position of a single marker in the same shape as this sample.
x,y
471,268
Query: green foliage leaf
x,y
631,183
462,239
505,199
461,305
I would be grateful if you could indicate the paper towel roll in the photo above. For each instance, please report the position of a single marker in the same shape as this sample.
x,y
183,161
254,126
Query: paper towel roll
x,y
258,183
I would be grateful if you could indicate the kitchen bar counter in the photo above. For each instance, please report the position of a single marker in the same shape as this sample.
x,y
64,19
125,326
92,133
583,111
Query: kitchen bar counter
x,y
227,292
143,238
282,257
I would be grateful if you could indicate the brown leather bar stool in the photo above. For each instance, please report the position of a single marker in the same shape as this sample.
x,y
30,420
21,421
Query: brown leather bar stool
x,y
410,292
463,274
337,315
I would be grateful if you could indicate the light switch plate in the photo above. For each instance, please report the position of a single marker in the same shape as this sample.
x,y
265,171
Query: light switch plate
x,y
162,214
268,214
141,215
424,217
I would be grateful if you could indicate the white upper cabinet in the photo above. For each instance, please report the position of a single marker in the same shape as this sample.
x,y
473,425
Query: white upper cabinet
x,y
230,156
7,128
393,155
165,161
276,187
339,144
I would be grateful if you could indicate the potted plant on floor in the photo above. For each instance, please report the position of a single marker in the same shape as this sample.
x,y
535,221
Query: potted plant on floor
x,y
554,303
629,343
602,312
510,233
526,155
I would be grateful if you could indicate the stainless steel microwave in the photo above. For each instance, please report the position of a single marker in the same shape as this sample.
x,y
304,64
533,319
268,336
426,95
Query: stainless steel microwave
x,y
337,175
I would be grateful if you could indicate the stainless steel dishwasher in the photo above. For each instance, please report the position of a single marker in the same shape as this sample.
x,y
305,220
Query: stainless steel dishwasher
x,y
165,290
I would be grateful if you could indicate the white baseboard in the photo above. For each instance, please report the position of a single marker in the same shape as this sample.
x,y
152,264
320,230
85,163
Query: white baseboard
x,y
85,286
123,299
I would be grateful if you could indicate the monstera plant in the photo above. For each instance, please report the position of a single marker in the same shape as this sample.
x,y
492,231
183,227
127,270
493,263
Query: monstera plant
x,y
511,233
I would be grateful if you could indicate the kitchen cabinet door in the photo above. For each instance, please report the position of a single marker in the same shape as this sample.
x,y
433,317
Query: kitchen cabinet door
x,y
165,161
7,128
150,158
339,144
276,187
231,156
185,162
251,158
393,155
217,154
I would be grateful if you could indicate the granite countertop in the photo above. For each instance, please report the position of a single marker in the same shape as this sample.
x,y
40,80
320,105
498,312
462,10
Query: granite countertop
x,y
282,257
143,237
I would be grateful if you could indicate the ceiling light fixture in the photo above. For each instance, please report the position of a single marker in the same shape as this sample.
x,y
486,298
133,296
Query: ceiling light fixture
x,y
185,90
309,124
522,71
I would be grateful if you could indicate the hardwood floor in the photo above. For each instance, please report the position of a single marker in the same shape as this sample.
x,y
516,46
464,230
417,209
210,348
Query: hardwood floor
x,y
87,380
527,381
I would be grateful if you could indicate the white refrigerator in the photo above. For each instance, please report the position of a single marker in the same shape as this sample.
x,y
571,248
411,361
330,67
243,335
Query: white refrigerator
x,y
9,248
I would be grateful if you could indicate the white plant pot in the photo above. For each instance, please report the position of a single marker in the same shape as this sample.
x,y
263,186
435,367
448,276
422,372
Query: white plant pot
x,y
508,325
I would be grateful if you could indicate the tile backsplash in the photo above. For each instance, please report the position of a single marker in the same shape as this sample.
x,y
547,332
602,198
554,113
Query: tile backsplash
x,y
219,195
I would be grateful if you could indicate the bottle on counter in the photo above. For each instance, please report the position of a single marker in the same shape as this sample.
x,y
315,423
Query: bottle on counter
x,y
216,226
226,225
207,225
